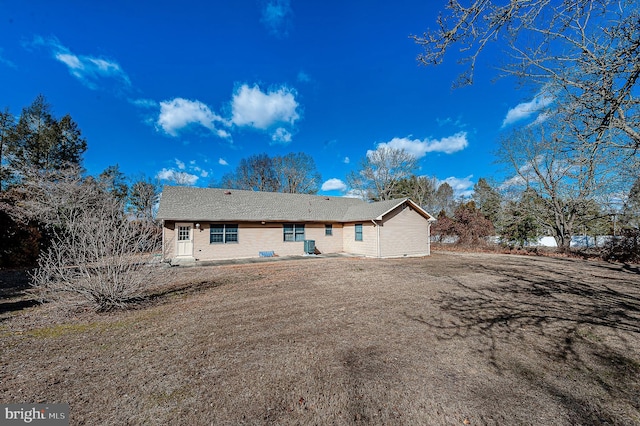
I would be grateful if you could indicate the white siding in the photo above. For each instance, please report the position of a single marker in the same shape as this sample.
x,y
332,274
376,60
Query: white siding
x,y
404,232
369,244
254,238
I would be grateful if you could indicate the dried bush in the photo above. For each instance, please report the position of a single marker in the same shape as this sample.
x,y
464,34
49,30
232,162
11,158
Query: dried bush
x,y
624,248
96,252
468,226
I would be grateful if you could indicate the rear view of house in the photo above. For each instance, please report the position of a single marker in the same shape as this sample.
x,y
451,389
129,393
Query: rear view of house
x,y
210,224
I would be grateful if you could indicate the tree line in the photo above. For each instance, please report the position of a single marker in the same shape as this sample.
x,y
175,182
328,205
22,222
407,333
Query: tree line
x,y
577,164
92,236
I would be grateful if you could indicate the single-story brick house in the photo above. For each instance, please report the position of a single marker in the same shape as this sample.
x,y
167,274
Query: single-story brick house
x,y
210,224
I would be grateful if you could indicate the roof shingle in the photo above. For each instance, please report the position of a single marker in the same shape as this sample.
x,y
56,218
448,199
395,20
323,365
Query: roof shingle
x,y
214,204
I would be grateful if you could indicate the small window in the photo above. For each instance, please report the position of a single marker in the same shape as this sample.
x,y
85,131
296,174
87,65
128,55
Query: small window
x,y
328,229
358,232
293,232
223,234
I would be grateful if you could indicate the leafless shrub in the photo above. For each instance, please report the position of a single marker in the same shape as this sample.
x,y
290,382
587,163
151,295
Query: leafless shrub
x,y
96,252
624,248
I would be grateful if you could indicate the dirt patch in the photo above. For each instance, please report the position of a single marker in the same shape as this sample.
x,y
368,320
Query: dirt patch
x,y
454,338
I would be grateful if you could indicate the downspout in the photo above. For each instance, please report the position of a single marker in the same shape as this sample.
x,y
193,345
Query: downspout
x,y
377,237
429,223
163,248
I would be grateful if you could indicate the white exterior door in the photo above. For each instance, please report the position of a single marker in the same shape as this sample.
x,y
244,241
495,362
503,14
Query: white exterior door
x,y
184,233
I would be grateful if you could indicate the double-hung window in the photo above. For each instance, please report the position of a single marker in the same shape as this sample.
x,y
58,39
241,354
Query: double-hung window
x,y
293,232
223,234
358,232
328,229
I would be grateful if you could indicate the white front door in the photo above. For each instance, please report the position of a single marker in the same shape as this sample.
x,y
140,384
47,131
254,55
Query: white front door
x,y
185,239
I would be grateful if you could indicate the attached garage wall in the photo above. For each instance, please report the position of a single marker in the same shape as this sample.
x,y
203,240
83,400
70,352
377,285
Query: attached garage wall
x,y
404,232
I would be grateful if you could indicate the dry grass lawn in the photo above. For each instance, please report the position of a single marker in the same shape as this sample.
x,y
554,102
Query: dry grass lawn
x,y
450,339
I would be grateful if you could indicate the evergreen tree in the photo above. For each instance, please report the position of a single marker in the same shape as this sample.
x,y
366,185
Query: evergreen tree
x,y
631,211
39,142
114,181
143,198
520,225
488,200
7,124
421,189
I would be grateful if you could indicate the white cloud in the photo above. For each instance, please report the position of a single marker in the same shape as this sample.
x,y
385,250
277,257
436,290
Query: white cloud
x,y
420,148
333,185
177,177
179,113
276,17
450,121
526,109
281,136
355,193
222,162
513,182
72,61
184,172
223,134
89,70
346,160
462,187
252,107
6,61
144,103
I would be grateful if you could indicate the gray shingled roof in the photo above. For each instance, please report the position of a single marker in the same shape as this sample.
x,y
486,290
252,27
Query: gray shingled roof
x,y
213,204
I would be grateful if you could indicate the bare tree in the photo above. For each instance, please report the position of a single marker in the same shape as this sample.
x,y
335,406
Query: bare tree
x,y
444,200
292,173
563,183
96,252
296,173
381,171
254,173
583,53
143,199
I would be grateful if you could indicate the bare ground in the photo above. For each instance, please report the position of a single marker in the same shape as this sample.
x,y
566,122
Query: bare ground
x,y
449,339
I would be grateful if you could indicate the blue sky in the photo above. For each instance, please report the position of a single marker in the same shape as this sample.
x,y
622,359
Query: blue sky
x,y
194,86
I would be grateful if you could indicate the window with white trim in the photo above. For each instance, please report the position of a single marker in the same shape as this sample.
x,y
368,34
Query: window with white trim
x,y
223,233
358,232
293,232
328,229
